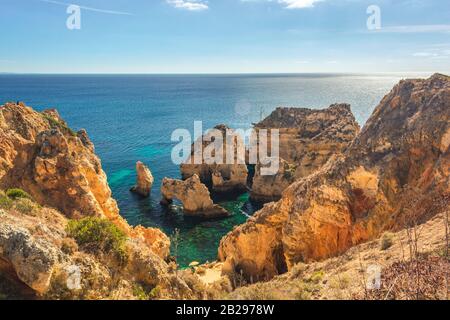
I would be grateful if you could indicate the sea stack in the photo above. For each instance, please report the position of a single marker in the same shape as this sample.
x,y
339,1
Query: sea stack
x,y
194,195
144,181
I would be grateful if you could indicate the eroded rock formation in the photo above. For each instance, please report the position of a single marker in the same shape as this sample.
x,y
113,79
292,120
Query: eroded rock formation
x,y
59,169
35,248
221,177
144,181
40,154
308,139
194,196
393,175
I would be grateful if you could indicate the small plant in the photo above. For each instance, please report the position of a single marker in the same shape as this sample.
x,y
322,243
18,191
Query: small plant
x,y
16,193
155,293
317,277
5,202
56,124
99,235
26,206
305,291
387,240
69,246
139,293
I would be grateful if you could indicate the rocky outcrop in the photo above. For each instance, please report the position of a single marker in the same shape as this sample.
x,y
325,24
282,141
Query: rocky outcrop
x,y
308,139
393,175
144,181
220,177
40,154
34,261
35,247
194,196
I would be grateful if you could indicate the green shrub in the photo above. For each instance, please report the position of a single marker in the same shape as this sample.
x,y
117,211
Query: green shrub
x,y
387,240
317,277
17,194
99,235
140,293
5,202
155,293
56,124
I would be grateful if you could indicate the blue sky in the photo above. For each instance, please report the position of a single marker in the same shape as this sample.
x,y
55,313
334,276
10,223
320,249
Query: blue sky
x,y
224,36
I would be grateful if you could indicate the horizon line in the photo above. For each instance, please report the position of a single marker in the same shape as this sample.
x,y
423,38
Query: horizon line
x,y
222,73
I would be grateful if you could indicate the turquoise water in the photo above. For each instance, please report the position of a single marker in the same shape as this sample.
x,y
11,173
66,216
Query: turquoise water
x,y
131,118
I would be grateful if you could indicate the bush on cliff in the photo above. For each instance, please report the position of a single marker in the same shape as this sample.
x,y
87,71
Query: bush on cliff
x,y
99,235
5,202
16,193
26,206
56,124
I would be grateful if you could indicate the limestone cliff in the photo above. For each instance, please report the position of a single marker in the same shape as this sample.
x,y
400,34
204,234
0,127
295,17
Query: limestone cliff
x,y
40,154
392,175
220,177
308,139
36,248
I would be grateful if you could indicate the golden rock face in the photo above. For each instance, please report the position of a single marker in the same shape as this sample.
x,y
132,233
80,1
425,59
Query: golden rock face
x,y
308,139
393,174
58,167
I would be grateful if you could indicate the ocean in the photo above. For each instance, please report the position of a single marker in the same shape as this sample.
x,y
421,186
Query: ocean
x,y
132,117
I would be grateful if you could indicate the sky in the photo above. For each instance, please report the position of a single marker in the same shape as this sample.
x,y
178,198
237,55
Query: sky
x,y
225,36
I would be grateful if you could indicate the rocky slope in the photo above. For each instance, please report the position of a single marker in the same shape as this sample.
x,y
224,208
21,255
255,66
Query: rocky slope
x,y
37,250
220,177
345,277
59,169
308,139
40,154
394,174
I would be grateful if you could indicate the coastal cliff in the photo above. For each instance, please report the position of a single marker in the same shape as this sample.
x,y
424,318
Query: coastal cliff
x,y
392,175
57,213
308,139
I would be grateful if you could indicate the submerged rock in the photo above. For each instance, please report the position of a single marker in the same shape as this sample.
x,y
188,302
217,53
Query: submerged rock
x,y
194,195
144,181
394,174
308,139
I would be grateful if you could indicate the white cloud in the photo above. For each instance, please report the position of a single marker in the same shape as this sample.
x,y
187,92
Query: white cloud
x,y
191,5
424,54
298,4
